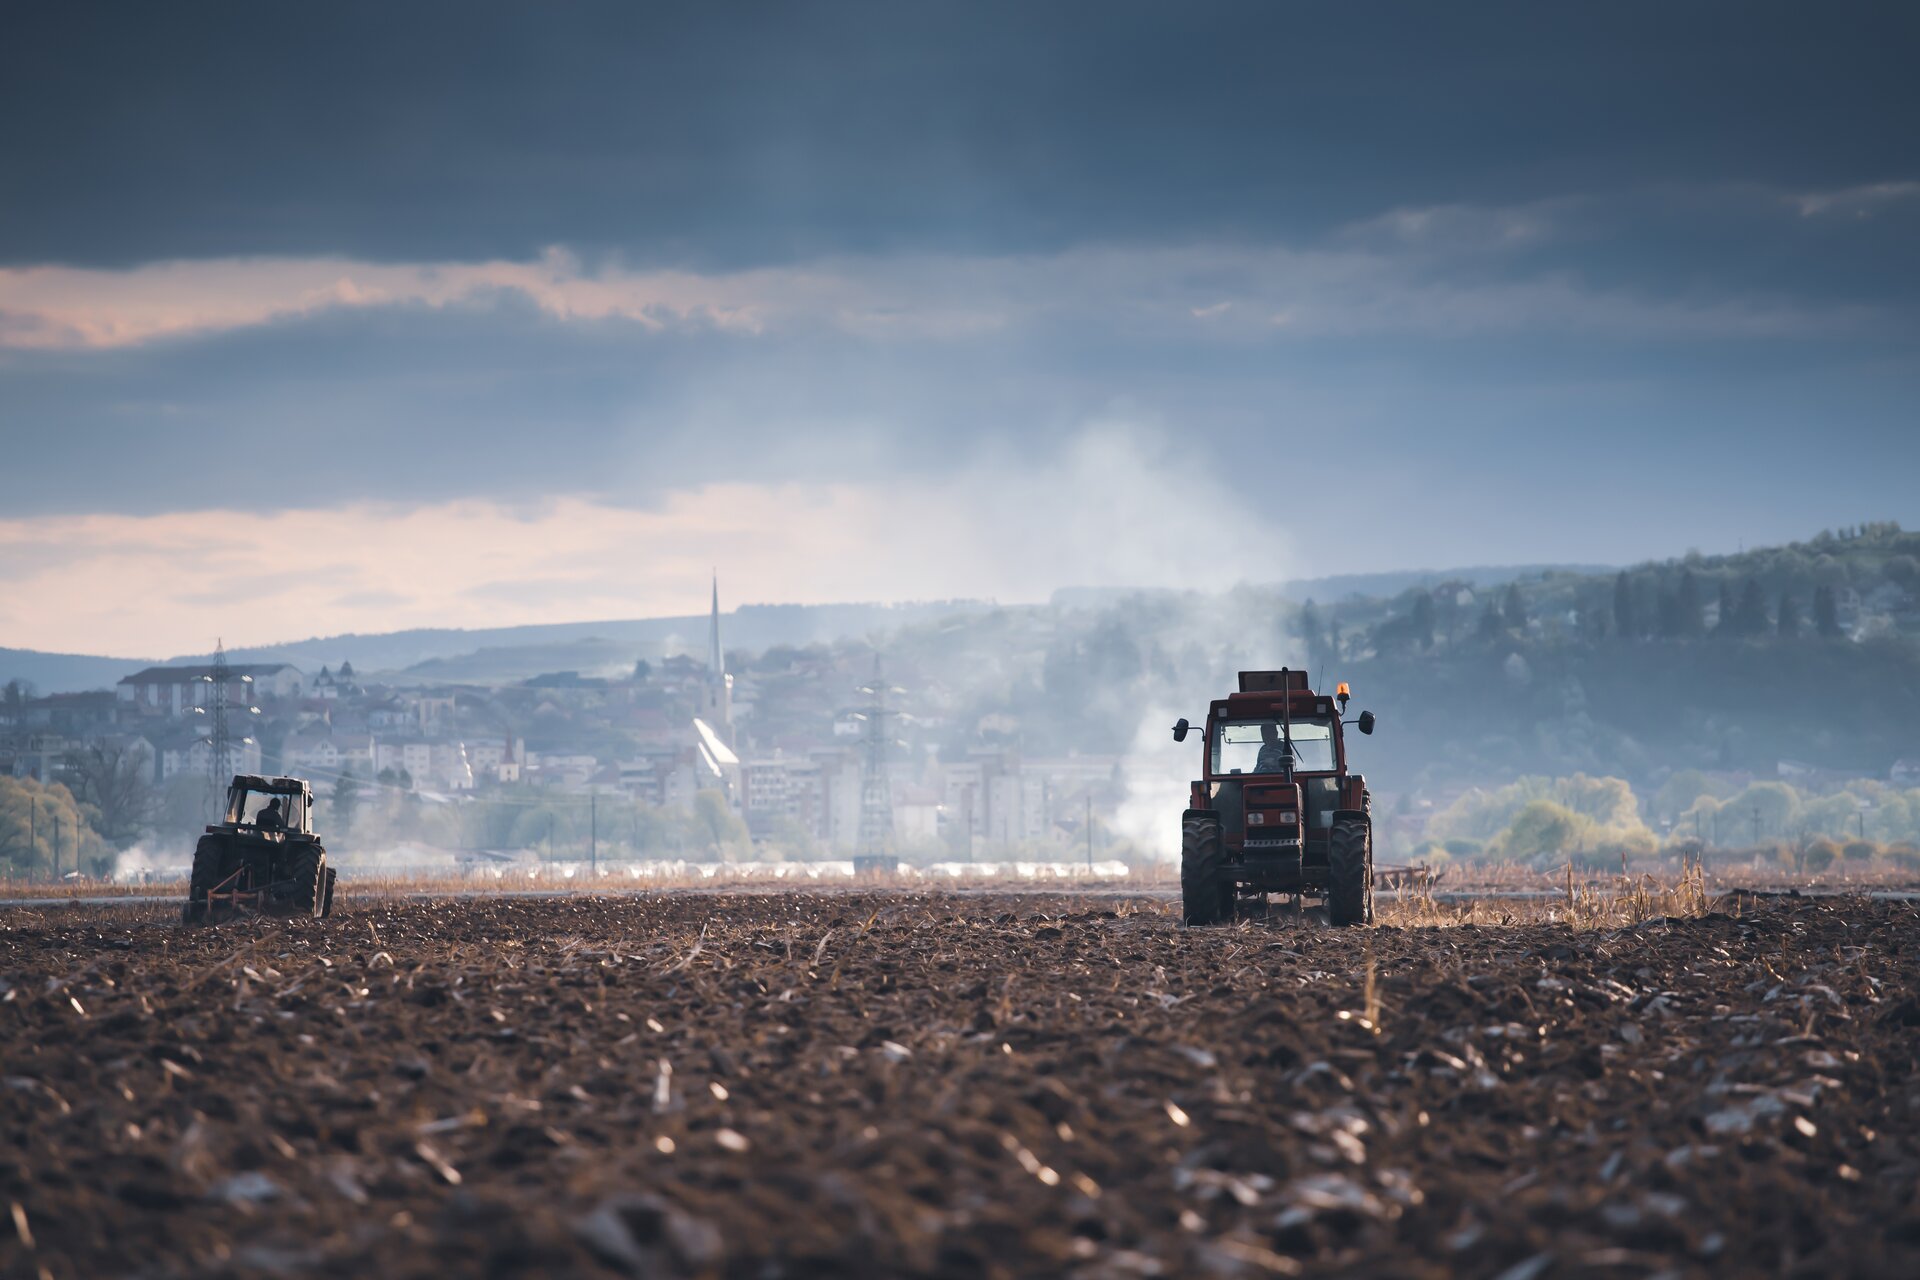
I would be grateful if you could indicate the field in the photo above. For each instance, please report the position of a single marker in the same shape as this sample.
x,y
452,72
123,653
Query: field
x,y
984,1083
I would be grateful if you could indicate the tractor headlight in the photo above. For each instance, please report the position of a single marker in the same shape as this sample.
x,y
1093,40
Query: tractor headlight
x,y
1256,819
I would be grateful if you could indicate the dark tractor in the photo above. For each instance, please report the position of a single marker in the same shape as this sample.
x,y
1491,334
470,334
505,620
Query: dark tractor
x,y
1275,810
262,854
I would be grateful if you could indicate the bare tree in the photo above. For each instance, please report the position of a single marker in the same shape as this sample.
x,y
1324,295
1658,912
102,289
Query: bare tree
x,y
115,779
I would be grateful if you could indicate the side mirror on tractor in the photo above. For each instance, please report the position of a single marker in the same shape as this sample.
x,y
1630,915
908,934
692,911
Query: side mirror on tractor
x,y
1180,728
1366,722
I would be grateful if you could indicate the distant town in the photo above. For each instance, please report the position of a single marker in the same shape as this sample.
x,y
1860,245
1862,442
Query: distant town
x,y
1759,705
802,755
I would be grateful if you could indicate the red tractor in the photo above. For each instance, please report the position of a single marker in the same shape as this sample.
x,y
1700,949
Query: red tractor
x,y
1275,810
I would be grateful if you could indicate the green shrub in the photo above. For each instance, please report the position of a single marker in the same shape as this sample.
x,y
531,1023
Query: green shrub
x,y
1541,827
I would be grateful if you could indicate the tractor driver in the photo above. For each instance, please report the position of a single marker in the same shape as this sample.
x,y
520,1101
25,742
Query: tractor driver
x,y
269,818
1276,756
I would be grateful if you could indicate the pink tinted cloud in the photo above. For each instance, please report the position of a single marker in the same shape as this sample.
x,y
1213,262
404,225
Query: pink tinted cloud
x,y
64,307
1096,514
1372,282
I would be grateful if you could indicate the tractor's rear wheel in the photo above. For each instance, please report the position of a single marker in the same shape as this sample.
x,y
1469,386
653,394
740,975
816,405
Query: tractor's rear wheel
x,y
1350,872
209,862
1206,895
326,903
309,880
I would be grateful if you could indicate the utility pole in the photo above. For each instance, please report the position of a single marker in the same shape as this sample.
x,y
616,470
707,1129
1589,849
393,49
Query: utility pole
x,y
593,833
1089,828
219,742
969,826
1756,825
56,844
33,835
876,795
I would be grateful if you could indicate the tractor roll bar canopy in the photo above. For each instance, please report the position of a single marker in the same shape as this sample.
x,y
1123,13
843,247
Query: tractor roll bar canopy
x,y
294,811
271,786
1282,681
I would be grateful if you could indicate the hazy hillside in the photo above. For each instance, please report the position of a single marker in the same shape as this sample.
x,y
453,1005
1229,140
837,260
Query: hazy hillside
x,y
64,672
1337,587
1683,663
510,653
1805,654
1365,585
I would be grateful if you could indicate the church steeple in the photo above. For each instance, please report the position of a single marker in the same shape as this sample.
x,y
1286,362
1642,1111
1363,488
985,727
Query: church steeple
x,y
717,705
716,657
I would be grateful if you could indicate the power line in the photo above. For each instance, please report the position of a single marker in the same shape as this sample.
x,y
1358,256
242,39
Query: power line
x,y
219,745
876,792
452,796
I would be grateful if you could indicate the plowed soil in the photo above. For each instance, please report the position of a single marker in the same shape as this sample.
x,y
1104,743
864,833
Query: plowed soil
x,y
1023,1085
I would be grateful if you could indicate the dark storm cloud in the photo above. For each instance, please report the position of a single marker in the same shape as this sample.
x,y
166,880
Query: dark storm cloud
x,y
1602,271
1676,240
498,400
420,404
725,134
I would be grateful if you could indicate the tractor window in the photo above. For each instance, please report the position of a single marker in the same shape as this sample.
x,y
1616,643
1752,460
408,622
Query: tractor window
x,y
1239,744
254,803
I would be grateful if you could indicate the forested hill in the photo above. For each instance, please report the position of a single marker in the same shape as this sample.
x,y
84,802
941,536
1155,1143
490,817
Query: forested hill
x,y
1808,654
1804,653
1862,583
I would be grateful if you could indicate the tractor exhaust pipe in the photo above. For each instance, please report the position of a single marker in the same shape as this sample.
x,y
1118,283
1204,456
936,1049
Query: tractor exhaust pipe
x,y
1286,719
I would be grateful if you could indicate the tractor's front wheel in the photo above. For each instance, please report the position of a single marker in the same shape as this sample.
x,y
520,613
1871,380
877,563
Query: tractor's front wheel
x,y
1350,872
1206,895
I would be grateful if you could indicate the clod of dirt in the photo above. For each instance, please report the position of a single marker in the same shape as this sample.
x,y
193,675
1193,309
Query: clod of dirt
x,y
647,1235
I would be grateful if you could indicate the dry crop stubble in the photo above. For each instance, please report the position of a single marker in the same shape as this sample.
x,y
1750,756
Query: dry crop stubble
x,y
932,1083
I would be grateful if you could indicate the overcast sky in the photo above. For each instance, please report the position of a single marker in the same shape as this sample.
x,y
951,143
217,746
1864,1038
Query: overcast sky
x,y
357,317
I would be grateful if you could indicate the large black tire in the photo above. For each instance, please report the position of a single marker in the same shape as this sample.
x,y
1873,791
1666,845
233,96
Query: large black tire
x,y
326,903
1206,895
209,866
1350,872
309,880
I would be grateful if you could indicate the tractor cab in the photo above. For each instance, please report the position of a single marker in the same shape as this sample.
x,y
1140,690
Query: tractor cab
x,y
262,855
254,804
1275,794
